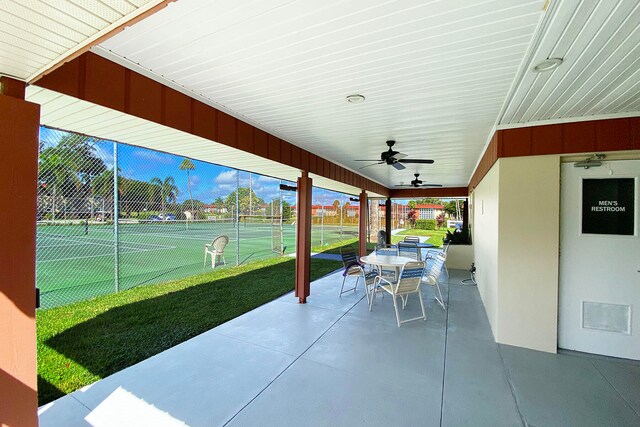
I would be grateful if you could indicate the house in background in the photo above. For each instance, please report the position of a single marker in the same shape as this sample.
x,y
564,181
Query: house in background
x,y
429,211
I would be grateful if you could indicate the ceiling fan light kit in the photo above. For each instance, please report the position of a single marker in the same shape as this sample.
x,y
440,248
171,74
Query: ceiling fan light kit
x,y
355,99
394,158
417,183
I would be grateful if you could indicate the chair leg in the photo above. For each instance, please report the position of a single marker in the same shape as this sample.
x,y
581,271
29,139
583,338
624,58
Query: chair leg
x,y
204,264
424,314
395,307
439,298
404,298
342,287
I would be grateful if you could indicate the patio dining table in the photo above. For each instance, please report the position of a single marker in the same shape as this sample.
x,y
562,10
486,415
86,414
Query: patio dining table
x,y
386,261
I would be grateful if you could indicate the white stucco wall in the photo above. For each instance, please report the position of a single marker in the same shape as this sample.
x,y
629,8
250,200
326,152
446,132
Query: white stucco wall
x,y
516,211
485,242
529,218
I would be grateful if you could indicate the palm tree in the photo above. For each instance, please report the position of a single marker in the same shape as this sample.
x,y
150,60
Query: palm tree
x,y
155,185
187,165
168,191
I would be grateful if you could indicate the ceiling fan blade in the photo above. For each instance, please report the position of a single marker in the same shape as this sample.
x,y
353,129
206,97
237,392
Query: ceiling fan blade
x,y
424,161
404,185
372,164
368,160
399,156
431,185
398,166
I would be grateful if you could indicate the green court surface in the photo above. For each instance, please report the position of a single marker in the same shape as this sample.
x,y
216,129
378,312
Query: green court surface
x,y
75,262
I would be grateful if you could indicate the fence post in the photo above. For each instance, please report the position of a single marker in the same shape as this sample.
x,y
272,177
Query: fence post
x,y
116,215
237,217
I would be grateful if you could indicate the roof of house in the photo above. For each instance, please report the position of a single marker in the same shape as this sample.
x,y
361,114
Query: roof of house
x,y
429,206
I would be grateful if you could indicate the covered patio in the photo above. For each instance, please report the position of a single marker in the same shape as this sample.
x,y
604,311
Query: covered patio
x,y
332,362
496,102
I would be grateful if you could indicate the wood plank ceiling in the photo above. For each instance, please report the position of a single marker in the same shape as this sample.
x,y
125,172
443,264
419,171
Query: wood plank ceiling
x,y
37,34
438,76
435,74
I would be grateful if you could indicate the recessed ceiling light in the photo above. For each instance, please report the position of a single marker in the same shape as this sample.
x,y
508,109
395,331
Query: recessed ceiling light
x,y
355,99
547,65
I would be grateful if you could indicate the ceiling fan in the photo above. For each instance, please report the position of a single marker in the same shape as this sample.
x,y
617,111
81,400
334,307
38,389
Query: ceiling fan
x,y
417,183
394,158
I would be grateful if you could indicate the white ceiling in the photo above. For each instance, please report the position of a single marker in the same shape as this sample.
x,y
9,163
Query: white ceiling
x,y
435,73
65,112
438,76
600,44
37,34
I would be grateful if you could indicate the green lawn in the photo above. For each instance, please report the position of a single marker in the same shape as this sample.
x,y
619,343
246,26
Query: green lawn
x,y
80,343
335,247
435,236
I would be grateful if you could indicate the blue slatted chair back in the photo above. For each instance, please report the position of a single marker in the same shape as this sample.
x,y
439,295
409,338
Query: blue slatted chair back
x,y
410,277
386,250
409,250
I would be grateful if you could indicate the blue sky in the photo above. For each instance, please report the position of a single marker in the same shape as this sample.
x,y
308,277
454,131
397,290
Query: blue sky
x,y
208,181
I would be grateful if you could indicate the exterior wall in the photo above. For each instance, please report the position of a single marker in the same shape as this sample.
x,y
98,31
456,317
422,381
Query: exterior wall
x,y
484,221
19,122
516,249
528,242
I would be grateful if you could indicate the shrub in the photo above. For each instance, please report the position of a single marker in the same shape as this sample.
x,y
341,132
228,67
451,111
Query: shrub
x,y
426,224
440,220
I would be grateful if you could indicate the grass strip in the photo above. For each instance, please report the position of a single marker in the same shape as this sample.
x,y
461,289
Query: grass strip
x,y
81,343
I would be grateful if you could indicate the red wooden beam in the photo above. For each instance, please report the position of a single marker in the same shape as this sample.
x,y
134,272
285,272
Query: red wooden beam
x,y
303,247
362,223
19,121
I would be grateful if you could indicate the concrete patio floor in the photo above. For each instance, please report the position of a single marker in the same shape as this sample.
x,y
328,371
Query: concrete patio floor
x,y
331,362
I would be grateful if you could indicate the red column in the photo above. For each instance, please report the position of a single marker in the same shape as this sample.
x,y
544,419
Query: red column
x,y
303,245
362,225
19,121
387,219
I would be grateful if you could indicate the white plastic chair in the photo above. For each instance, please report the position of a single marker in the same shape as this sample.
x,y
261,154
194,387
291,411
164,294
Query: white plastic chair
x,y
216,250
409,283
433,276
431,254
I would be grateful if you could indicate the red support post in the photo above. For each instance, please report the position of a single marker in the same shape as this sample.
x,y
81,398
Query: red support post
x,y
387,219
362,225
303,245
19,122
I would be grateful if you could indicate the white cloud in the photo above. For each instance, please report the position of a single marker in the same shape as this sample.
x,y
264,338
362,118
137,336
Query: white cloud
x,y
153,156
226,178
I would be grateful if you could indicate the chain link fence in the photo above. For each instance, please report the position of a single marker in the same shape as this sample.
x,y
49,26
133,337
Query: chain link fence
x,y
334,218
112,217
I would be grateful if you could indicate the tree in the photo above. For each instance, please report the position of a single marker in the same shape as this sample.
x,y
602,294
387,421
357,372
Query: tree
x,y
440,220
243,200
187,165
68,168
412,204
412,216
168,191
450,208
429,201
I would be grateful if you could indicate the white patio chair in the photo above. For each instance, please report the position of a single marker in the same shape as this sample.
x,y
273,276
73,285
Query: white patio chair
x,y
433,276
431,254
409,283
216,250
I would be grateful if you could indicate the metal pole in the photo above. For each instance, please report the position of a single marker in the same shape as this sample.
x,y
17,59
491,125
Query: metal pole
x,y
341,206
322,222
238,217
116,215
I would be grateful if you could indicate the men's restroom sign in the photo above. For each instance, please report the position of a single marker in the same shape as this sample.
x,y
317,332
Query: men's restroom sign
x,y
608,206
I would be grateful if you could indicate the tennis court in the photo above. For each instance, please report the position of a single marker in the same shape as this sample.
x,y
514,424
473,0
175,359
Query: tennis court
x,y
78,261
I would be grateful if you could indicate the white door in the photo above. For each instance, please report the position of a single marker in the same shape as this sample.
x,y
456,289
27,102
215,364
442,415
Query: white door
x,y
599,289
